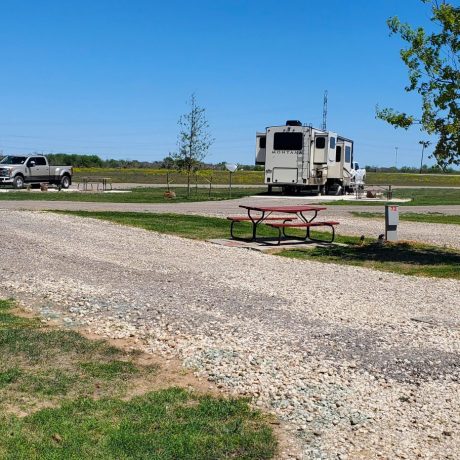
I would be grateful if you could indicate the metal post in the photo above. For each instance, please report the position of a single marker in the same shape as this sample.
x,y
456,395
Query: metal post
x,y
230,183
391,222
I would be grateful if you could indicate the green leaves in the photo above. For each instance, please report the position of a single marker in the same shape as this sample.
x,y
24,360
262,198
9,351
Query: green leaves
x,y
433,63
193,140
397,119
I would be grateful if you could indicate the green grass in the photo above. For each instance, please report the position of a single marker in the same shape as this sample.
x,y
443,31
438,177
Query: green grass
x,y
63,396
190,226
404,258
431,217
408,179
158,176
165,425
419,197
137,195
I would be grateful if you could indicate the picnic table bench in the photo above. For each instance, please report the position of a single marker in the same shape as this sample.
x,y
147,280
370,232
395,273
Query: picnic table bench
x,y
295,218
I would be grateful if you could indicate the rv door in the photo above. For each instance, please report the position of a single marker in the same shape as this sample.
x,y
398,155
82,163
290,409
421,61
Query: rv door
x,y
320,148
261,151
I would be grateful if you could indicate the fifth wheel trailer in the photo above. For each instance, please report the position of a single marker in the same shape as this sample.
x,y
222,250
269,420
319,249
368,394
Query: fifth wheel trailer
x,y
298,157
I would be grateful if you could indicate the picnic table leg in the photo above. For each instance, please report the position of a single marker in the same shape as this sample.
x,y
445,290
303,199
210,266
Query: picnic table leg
x,y
255,222
307,221
231,229
279,235
323,241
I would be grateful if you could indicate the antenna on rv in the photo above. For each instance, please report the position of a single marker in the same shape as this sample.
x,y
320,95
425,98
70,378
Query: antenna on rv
x,y
324,111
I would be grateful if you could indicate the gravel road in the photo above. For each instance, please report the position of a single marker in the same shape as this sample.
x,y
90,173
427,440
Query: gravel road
x,y
447,235
357,363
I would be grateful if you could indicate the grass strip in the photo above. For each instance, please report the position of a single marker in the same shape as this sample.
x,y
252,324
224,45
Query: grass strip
x,y
191,226
404,258
63,396
136,195
431,217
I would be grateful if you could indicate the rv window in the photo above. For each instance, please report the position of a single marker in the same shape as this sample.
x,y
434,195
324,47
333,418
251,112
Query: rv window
x,y
338,153
332,143
262,142
320,142
347,154
288,141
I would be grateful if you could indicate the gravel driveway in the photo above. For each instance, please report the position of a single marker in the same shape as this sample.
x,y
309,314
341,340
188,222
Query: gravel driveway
x,y
448,235
357,363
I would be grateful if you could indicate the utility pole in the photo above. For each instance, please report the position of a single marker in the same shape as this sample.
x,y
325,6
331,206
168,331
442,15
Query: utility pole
x,y
324,111
396,160
424,145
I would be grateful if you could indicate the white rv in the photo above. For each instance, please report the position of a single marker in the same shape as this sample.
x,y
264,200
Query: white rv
x,y
298,157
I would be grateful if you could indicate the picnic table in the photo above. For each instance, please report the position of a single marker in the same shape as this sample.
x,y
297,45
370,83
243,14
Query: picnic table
x,y
298,216
101,183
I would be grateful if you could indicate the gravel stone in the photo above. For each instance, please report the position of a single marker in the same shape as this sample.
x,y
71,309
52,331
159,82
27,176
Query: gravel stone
x,y
322,346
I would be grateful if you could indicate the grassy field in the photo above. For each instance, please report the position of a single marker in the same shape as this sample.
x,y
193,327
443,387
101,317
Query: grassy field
x,y
405,258
406,179
63,397
158,176
432,217
137,195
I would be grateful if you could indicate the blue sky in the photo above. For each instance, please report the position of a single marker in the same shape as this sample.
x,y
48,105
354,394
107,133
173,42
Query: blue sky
x,y
113,77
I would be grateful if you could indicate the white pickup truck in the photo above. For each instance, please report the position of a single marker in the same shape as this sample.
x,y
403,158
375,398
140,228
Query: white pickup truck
x,y
17,170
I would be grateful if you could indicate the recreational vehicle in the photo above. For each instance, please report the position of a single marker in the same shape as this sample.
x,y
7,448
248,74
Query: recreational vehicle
x,y
298,157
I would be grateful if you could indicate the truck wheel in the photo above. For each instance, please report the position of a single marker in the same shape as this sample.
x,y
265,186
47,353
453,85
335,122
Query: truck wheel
x,y
18,182
65,182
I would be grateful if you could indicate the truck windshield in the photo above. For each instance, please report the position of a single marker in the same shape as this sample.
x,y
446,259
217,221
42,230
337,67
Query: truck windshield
x,y
10,160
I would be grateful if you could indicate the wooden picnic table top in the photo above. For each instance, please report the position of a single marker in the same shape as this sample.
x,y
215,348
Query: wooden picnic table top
x,y
287,209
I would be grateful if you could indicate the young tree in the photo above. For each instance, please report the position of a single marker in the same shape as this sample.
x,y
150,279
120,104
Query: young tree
x,y
433,62
193,140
